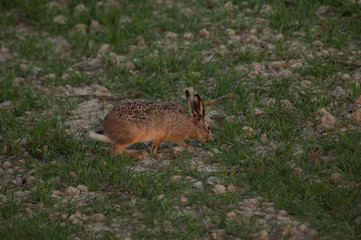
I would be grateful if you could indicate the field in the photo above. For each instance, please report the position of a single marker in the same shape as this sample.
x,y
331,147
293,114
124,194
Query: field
x,y
285,158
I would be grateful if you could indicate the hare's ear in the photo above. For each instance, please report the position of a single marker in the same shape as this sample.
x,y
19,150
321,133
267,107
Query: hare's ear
x,y
199,106
190,103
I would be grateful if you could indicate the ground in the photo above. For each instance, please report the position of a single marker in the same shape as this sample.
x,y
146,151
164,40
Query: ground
x,y
285,159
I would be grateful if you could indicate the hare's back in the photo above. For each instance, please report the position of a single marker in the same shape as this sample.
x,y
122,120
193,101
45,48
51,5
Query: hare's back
x,y
141,111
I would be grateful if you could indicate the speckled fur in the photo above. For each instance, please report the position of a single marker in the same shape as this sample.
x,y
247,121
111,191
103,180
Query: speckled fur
x,y
147,120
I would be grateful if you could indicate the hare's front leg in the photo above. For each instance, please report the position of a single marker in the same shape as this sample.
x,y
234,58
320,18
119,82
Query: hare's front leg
x,y
156,143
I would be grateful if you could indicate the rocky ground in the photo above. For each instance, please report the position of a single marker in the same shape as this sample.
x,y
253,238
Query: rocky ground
x,y
282,87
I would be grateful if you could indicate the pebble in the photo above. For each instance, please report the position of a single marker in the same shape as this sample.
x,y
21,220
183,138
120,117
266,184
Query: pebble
x,y
176,178
263,235
248,129
188,36
282,212
269,210
171,35
213,180
184,200
204,33
97,217
82,188
60,19
357,117
80,8
215,150
326,119
95,25
198,185
231,188
6,164
70,191
219,189
231,215
104,48
230,32
80,28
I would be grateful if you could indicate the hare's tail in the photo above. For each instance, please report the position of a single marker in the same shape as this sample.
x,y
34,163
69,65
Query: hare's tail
x,y
100,136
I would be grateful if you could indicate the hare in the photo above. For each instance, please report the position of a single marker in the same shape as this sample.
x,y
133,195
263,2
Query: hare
x,y
147,120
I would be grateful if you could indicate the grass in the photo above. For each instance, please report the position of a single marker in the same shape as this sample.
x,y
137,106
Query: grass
x,y
288,162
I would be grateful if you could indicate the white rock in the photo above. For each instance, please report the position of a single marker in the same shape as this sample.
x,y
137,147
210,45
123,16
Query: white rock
x,y
198,185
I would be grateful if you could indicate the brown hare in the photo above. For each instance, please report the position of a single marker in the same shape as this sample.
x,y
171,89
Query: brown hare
x,y
147,120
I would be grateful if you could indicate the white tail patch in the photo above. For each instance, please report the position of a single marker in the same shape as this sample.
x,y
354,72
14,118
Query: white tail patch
x,y
100,137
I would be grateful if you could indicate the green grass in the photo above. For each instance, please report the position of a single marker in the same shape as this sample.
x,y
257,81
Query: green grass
x,y
289,161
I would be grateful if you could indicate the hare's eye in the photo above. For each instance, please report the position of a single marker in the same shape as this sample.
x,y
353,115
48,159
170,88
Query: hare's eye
x,y
209,128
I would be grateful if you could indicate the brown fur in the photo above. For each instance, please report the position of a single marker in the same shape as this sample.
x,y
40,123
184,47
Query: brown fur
x,y
147,120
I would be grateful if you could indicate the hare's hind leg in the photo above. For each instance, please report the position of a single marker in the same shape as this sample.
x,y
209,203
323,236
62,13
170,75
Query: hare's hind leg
x,y
119,148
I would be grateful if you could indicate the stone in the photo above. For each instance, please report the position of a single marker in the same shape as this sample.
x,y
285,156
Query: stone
x,y
231,215
176,178
219,189
80,8
60,19
82,188
326,119
70,191
95,25
80,28
203,33
282,212
104,48
171,35
357,117
231,188
140,41
184,200
188,36
230,32
198,185
97,217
